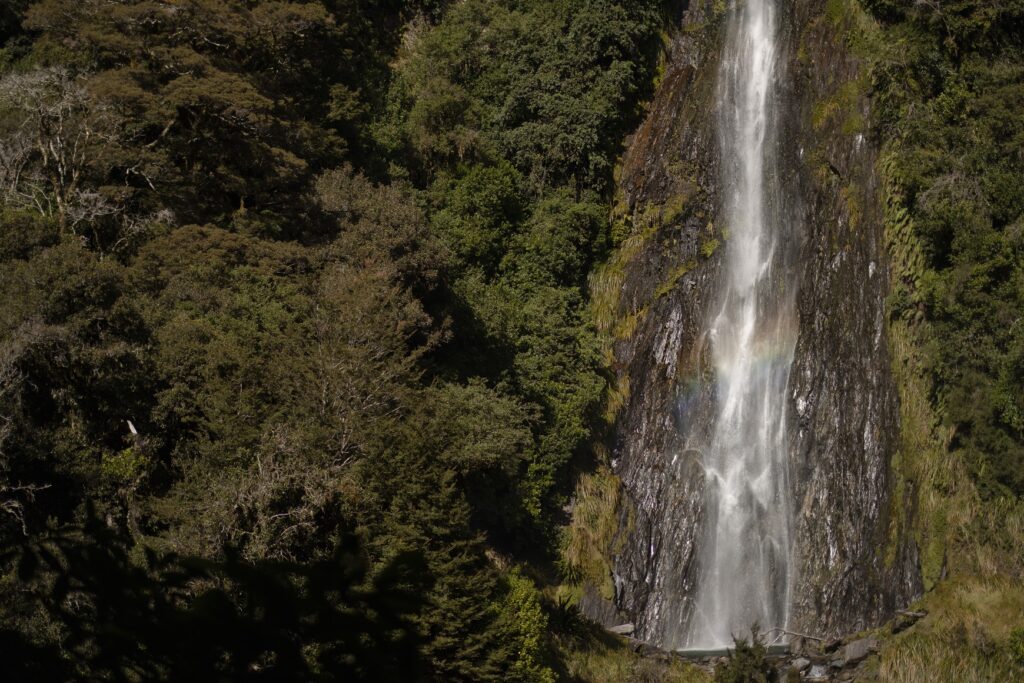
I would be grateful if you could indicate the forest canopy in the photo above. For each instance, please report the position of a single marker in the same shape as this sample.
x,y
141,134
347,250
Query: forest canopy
x,y
293,285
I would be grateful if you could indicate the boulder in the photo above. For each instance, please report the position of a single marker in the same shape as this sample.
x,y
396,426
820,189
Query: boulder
x,y
818,672
858,650
622,629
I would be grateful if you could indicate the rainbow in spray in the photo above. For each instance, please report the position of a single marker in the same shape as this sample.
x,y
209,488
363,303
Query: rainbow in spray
x,y
744,554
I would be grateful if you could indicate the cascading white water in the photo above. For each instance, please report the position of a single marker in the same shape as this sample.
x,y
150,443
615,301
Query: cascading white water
x,y
744,557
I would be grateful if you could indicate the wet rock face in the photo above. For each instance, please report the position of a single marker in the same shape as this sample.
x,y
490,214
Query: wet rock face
x,y
843,407
844,417
670,163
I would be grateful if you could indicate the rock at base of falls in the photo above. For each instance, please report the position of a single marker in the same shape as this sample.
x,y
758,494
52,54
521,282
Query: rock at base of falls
x,y
622,629
599,609
857,651
800,664
818,672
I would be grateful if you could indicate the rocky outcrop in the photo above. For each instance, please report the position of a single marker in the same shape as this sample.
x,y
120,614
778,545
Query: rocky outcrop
x,y
848,573
668,192
845,411
833,662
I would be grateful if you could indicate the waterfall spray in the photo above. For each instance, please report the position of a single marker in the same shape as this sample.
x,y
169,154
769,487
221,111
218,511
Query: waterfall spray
x,y
744,556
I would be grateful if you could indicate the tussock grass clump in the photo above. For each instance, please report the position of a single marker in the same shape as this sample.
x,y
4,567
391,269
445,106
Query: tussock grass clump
x,y
598,657
937,659
592,534
674,277
974,632
606,282
627,326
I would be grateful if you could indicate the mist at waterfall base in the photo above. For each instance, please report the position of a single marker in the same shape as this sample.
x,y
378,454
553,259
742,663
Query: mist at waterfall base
x,y
745,544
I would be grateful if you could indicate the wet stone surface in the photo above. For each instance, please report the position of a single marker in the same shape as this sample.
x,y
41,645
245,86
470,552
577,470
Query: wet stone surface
x,y
842,401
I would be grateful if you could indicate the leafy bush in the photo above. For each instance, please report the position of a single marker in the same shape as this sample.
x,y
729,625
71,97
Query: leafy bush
x,y
747,663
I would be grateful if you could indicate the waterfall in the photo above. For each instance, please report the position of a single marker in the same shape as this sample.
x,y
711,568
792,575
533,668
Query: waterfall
x,y
744,554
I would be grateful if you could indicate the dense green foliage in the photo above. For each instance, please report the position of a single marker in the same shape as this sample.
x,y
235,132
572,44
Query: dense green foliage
x,y
950,91
280,621
279,274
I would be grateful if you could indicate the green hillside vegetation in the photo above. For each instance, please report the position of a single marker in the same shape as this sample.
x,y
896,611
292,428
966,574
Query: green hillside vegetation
x,y
947,83
293,285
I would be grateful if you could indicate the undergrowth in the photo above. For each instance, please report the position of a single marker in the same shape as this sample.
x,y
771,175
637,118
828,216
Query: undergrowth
x,y
973,632
602,658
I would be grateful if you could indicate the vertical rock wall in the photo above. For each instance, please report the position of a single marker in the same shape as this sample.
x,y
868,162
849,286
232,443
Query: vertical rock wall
x,y
668,190
845,411
843,402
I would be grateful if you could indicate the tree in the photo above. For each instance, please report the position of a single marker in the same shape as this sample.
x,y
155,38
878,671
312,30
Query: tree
x,y
10,20
172,618
54,129
204,87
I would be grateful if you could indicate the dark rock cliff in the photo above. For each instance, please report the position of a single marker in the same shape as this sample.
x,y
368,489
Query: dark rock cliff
x,y
671,162
844,412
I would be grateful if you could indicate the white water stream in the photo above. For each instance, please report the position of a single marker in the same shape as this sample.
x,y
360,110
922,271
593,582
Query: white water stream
x,y
745,550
